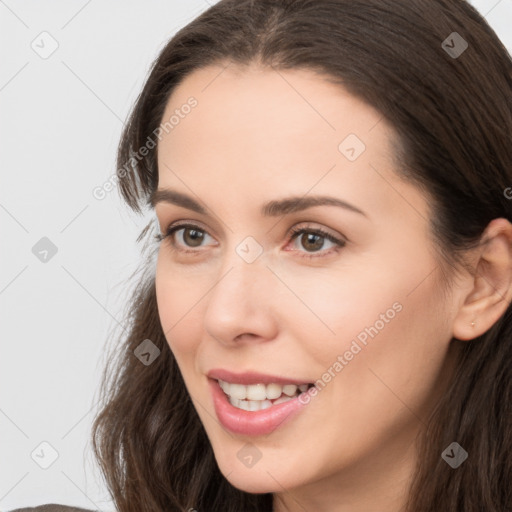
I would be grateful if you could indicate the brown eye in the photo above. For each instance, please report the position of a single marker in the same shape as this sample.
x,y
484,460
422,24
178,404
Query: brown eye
x,y
312,241
192,237
185,236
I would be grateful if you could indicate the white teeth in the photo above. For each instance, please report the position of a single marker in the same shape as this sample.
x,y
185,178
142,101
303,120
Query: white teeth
x,y
289,389
250,405
224,385
282,400
243,404
274,391
256,397
256,392
266,404
237,391
253,405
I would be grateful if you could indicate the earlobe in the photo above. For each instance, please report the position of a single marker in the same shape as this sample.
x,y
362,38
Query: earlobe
x,y
491,285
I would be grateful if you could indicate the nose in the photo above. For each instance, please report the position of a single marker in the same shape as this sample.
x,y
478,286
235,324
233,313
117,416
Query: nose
x,y
241,306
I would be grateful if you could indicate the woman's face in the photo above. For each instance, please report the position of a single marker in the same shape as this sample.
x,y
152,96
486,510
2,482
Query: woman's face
x,y
362,315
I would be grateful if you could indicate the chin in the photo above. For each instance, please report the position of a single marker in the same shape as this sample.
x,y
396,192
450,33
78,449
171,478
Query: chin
x,y
254,483
261,478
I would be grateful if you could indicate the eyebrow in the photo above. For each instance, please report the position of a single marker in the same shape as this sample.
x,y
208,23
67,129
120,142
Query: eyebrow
x,y
271,209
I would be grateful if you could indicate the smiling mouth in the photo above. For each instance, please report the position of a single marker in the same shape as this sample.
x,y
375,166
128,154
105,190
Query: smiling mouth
x,y
256,397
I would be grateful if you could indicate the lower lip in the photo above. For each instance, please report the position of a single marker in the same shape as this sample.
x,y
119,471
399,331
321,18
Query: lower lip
x,y
252,423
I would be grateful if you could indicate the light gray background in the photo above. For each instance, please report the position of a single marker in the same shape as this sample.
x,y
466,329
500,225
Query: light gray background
x,y
61,118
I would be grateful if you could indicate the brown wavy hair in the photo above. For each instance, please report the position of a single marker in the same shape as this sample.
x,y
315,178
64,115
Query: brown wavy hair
x,y
453,117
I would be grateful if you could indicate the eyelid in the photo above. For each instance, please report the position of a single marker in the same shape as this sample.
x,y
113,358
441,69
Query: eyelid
x,y
339,241
306,226
174,227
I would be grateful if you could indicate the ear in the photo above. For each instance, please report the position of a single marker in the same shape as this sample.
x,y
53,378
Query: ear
x,y
491,286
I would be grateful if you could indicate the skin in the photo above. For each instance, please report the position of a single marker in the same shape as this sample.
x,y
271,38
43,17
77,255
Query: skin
x,y
258,135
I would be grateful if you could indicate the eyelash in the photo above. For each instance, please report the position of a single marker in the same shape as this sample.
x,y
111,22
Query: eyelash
x,y
295,232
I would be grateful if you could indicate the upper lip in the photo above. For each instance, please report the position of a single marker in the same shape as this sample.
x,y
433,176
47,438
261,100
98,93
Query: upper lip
x,y
252,377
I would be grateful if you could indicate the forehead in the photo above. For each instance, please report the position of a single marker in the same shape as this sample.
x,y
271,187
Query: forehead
x,y
262,129
265,103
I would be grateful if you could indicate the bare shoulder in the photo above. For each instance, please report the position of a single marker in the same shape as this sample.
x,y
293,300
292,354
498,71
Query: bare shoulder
x,y
52,508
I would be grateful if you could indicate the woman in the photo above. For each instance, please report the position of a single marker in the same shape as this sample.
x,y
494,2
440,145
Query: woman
x,y
326,326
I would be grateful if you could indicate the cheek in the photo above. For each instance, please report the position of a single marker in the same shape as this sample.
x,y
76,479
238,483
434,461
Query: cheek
x,y
388,295
379,391
390,371
383,333
329,310
179,306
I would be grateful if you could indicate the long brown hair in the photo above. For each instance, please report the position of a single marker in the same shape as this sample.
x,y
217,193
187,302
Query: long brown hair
x,y
451,108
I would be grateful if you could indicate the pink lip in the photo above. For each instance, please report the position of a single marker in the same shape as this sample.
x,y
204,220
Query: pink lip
x,y
252,423
252,378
